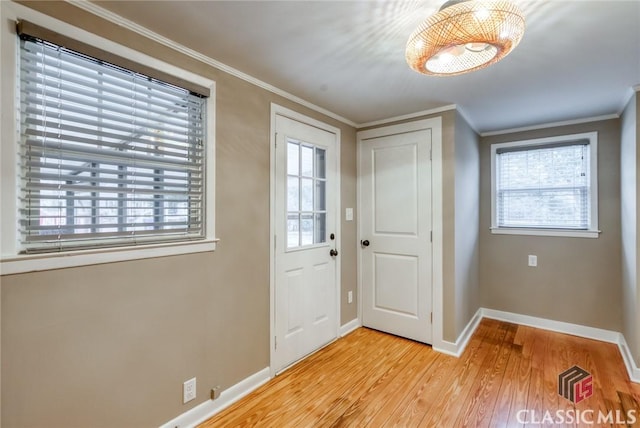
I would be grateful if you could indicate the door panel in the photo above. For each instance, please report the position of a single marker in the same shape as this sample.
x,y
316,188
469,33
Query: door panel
x,y
395,212
396,284
396,220
305,313
294,291
321,293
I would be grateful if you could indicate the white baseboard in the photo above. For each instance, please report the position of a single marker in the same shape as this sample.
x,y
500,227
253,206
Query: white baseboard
x,y
574,329
456,349
632,369
204,411
349,327
551,325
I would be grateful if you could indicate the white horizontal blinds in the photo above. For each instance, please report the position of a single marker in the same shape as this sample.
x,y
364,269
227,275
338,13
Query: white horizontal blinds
x,y
29,29
107,156
544,187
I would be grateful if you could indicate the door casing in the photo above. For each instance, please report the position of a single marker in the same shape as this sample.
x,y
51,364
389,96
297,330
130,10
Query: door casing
x,y
435,124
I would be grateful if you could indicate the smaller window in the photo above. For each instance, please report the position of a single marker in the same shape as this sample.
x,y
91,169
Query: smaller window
x,y
546,186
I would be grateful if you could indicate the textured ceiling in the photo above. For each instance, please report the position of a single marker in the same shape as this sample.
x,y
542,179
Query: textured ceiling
x,y
577,59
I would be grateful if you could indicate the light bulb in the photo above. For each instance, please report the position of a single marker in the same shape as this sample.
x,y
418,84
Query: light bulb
x,y
476,47
481,14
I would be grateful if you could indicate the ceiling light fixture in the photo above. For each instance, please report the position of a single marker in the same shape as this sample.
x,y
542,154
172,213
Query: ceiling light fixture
x,y
465,35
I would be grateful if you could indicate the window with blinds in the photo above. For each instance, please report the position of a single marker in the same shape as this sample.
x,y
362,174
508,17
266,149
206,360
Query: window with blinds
x,y
107,156
545,184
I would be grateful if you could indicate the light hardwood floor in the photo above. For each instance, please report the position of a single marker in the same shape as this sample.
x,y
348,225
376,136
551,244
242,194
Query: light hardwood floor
x,y
372,379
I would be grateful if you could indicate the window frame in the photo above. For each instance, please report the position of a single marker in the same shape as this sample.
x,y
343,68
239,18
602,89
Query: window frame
x,y
11,261
592,231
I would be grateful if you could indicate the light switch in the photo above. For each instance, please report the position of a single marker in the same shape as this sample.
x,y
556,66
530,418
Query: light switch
x,y
349,214
533,260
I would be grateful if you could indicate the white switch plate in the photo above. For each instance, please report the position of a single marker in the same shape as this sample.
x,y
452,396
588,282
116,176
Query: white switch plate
x,y
350,297
189,390
348,214
533,260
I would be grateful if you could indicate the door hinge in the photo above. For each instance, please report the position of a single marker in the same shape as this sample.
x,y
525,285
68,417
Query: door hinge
x,y
431,236
275,241
430,154
275,139
431,317
275,342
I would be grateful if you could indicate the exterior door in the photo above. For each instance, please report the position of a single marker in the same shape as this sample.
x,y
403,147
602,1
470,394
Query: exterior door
x,y
305,241
396,234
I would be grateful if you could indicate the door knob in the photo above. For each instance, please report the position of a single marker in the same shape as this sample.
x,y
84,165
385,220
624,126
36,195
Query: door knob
x,y
364,243
333,253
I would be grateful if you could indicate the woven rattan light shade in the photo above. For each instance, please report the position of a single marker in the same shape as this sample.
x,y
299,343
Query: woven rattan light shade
x,y
465,36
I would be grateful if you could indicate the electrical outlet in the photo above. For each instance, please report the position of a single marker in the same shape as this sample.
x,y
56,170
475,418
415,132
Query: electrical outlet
x,y
533,260
350,297
189,390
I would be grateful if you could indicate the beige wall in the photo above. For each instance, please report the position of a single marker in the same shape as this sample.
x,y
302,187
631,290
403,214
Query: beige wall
x,y
448,227
110,345
630,161
467,221
577,279
460,188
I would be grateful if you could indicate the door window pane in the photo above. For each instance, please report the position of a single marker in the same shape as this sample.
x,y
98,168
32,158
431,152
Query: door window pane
x,y
293,194
307,194
307,161
293,230
293,159
320,197
320,163
320,228
306,229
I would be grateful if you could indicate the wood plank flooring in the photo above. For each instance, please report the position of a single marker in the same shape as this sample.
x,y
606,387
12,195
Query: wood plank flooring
x,y
372,379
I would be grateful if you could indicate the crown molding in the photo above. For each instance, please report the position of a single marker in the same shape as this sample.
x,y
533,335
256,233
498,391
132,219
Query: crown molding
x,y
465,116
406,116
143,31
551,125
633,90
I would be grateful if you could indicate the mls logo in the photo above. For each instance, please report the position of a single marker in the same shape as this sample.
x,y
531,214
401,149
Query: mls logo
x,y
575,384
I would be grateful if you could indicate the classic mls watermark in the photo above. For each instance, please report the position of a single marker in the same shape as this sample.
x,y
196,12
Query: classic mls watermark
x,y
576,384
584,417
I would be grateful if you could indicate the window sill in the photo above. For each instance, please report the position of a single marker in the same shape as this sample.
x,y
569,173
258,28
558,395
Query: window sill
x,y
38,262
566,233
